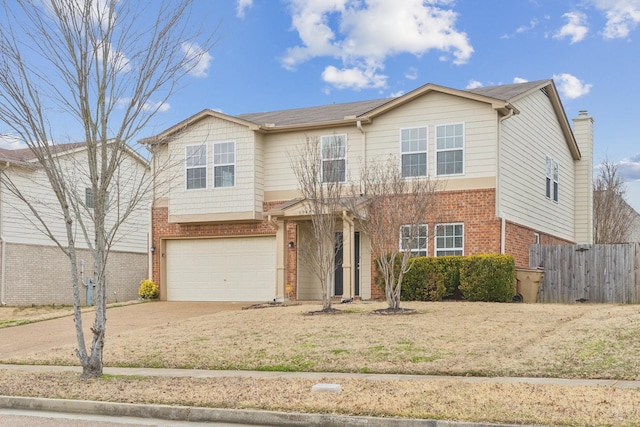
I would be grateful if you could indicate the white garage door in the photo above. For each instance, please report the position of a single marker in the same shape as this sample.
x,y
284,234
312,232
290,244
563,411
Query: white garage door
x,y
236,269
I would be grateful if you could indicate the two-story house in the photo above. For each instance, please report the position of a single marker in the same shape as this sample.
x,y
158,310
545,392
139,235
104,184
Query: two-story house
x,y
227,217
33,270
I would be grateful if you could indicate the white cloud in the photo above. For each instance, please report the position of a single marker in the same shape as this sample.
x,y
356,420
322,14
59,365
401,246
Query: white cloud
x,y
524,28
397,94
575,28
519,80
474,84
411,74
363,34
630,168
198,60
160,107
242,6
622,16
570,86
11,142
353,78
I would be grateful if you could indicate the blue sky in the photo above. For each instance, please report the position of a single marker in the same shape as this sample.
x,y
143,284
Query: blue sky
x,y
279,54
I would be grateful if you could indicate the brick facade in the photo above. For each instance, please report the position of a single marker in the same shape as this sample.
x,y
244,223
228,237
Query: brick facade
x,y
473,208
30,280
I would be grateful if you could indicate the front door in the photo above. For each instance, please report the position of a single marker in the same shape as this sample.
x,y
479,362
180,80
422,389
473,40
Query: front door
x,y
338,280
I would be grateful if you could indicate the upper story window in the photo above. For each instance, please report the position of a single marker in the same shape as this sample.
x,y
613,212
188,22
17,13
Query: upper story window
x,y
450,149
89,200
334,158
196,164
552,186
449,239
413,151
414,238
224,164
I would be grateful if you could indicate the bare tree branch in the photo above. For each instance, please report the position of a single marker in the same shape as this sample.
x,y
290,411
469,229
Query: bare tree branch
x,y
393,210
612,215
96,64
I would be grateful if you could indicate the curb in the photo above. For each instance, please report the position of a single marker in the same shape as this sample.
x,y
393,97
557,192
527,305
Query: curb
x,y
199,414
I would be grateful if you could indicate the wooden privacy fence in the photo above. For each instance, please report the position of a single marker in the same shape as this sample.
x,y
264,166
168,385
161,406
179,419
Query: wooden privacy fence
x,y
588,273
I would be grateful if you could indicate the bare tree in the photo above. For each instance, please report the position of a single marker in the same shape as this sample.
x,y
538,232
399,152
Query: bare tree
x,y
393,211
612,215
99,64
320,169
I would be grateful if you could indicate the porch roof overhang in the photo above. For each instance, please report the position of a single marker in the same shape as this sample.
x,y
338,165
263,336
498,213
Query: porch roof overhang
x,y
298,209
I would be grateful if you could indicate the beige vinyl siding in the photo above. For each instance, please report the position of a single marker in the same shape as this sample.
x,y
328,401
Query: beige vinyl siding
x,y
242,197
383,138
19,225
278,174
523,155
434,109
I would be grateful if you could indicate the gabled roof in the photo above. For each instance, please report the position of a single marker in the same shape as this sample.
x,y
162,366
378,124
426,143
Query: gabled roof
x,y
325,113
26,156
501,98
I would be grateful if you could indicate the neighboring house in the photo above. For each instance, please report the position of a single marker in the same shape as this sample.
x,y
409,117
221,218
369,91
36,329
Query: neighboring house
x,y
33,269
227,217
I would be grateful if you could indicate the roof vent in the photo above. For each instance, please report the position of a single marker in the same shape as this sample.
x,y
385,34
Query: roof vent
x,y
544,90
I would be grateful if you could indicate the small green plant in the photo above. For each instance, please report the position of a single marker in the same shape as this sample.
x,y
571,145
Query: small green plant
x,y
148,289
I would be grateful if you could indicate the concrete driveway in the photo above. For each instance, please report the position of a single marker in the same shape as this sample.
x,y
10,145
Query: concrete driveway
x,y
42,336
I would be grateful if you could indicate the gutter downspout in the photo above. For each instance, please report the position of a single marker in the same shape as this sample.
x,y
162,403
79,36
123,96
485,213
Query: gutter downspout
x,y
503,220
364,151
3,259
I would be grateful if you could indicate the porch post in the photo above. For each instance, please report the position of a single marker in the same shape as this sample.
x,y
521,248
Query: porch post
x,y
348,273
281,244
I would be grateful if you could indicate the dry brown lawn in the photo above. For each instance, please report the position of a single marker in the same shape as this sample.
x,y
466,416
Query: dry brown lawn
x,y
452,338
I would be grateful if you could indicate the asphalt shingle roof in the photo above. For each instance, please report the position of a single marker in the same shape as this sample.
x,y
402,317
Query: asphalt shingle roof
x,y
335,112
325,113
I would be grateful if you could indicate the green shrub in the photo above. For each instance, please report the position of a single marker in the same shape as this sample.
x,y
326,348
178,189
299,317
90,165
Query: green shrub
x,y
488,278
423,282
148,289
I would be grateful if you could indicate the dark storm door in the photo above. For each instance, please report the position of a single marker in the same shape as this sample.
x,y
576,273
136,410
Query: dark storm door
x,y
338,282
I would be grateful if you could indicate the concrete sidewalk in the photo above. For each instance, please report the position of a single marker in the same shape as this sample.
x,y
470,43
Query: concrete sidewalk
x,y
201,373
256,417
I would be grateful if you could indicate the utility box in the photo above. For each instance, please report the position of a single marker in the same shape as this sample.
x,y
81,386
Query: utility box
x,y
528,283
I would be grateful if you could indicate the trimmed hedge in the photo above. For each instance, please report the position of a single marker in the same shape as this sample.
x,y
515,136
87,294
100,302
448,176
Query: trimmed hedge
x,y
479,278
488,278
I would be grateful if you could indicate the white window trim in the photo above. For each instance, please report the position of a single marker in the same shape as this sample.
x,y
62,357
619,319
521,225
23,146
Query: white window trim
x,y
416,250
206,171
435,238
551,166
463,148
214,164
426,152
322,159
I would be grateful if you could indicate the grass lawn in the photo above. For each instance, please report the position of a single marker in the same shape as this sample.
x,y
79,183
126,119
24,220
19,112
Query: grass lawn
x,y
448,338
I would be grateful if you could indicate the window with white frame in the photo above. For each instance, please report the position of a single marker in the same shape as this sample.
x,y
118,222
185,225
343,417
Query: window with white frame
x,y
552,183
414,238
89,200
450,149
224,164
413,151
196,166
334,158
449,239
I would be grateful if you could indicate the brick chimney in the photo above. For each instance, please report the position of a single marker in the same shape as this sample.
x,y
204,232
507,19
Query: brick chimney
x,y
583,133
